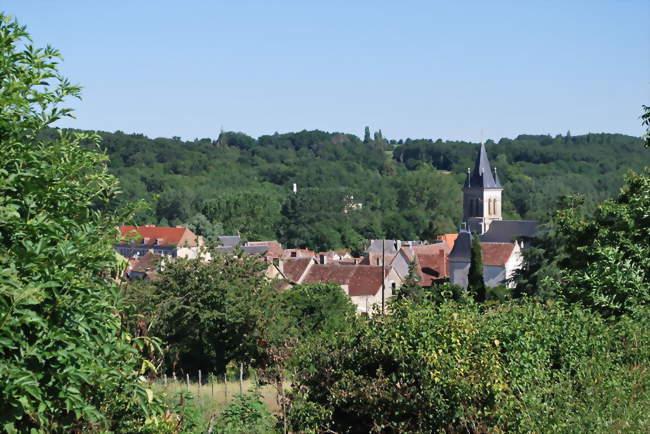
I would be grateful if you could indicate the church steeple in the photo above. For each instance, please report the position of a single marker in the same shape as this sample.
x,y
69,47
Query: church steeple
x,y
482,176
481,194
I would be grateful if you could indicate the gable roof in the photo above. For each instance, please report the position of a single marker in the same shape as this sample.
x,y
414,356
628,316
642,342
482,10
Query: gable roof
x,y
361,280
160,235
496,254
293,269
481,176
431,267
505,231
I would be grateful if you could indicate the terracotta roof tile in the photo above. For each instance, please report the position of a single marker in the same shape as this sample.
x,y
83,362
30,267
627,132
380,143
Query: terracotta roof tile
x,y
360,279
274,248
163,236
450,239
496,254
431,267
293,269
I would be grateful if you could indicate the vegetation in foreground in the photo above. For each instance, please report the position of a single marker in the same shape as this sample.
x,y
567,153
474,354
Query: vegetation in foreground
x,y
570,350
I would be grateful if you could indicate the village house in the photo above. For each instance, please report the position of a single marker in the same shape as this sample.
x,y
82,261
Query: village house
x,y
144,267
430,262
165,241
362,283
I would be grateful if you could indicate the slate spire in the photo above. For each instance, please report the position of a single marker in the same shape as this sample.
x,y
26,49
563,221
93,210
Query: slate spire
x,y
481,176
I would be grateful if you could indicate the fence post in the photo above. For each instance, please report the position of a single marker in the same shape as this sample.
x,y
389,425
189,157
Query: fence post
x,y
211,380
165,379
225,385
198,389
241,378
187,378
174,375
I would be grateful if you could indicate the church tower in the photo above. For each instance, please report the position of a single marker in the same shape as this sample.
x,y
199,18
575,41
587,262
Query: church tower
x,y
481,195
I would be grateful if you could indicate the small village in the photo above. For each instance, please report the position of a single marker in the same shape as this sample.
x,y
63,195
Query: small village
x,y
372,279
324,218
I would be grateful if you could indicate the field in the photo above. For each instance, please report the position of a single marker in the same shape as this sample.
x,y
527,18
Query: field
x,y
211,397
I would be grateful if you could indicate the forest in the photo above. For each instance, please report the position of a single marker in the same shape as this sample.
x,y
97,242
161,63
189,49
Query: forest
x,y
81,349
408,189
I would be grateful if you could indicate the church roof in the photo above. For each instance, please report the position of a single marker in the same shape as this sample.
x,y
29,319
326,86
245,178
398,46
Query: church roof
x,y
506,231
481,176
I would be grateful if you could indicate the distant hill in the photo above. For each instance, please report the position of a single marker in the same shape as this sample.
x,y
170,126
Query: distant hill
x,y
407,189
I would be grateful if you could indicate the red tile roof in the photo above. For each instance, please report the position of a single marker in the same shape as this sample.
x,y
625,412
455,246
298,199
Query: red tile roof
x,y
293,269
361,279
431,267
163,236
146,264
275,248
450,239
432,249
496,254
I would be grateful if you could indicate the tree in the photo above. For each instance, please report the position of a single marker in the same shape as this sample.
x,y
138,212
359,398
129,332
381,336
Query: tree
x,y
645,117
317,308
66,364
475,283
605,261
200,225
211,313
366,135
411,288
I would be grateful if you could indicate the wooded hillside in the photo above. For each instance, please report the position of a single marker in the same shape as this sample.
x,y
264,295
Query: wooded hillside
x,y
408,188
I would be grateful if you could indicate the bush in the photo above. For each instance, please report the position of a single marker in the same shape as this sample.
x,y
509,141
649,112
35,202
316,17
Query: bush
x,y
519,366
66,364
246,414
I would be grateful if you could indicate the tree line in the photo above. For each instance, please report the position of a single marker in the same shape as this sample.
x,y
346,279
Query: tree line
x,y
570,347
407,189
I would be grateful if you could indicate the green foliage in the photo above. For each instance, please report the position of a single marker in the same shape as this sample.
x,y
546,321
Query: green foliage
x,y
475,282
606,260
244,185
209,313
246,414
645,117
537,170
520,366
66,364
317,308
411,287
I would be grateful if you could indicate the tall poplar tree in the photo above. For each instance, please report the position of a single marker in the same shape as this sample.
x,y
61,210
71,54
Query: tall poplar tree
x,y
475,282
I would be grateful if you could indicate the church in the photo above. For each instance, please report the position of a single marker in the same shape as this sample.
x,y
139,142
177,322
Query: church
x,y
501,240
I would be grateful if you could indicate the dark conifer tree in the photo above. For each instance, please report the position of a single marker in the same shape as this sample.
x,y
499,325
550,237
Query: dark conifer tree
x,y
366,135
475,282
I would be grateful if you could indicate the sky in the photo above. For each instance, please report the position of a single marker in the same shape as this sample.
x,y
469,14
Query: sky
x,y
467,70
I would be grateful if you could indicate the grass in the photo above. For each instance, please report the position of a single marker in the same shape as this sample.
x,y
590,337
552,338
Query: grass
x,y
212,398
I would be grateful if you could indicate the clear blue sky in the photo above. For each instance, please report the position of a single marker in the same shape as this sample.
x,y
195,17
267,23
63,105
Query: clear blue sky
x,y
414,69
